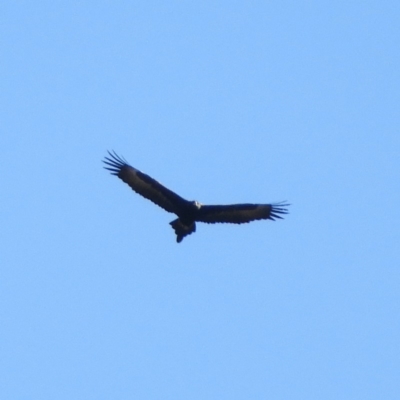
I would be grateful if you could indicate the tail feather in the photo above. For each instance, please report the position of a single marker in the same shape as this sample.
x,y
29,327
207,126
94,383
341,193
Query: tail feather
x,y
181,229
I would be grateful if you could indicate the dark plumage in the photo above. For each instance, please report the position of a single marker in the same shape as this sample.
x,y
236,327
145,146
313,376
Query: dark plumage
x,y
188,212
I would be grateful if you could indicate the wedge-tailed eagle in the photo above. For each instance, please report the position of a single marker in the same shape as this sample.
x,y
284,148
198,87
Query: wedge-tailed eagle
x,y
188,212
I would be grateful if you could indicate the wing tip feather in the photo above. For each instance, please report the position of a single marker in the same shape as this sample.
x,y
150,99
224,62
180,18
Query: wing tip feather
x,y
279,208
114,162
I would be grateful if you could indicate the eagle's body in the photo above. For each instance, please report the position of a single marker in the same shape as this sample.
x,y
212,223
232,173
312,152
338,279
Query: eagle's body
x,y
188,212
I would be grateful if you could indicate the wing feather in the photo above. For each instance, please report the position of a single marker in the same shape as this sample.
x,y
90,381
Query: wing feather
x,y
241,213
143,184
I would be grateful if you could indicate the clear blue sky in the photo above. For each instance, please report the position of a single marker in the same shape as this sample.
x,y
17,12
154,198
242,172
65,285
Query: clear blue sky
x,y
223,102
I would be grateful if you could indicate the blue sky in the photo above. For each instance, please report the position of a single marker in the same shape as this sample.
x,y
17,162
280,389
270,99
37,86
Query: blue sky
x,y
222,102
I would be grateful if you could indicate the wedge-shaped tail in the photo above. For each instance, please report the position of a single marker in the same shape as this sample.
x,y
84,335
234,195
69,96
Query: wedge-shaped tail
x,y
181,229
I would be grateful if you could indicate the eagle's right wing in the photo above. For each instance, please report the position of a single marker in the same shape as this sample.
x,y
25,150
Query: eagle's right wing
x,y
144,185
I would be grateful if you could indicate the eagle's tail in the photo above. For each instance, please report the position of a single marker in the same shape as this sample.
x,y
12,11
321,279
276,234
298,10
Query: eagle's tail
x,y
181,229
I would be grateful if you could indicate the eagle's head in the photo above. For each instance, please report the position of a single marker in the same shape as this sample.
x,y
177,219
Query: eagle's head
x,y
197,204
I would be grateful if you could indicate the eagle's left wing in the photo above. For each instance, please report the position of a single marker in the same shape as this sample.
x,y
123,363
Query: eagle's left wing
x,y
241,213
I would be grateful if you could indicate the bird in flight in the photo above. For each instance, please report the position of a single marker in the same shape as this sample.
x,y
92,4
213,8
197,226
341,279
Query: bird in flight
x,y
189,212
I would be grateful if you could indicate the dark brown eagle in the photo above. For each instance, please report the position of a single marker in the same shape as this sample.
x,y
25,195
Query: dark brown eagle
x,y
188,212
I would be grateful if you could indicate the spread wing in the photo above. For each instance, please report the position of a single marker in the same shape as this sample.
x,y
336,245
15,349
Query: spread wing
x,y
144,184
241,213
